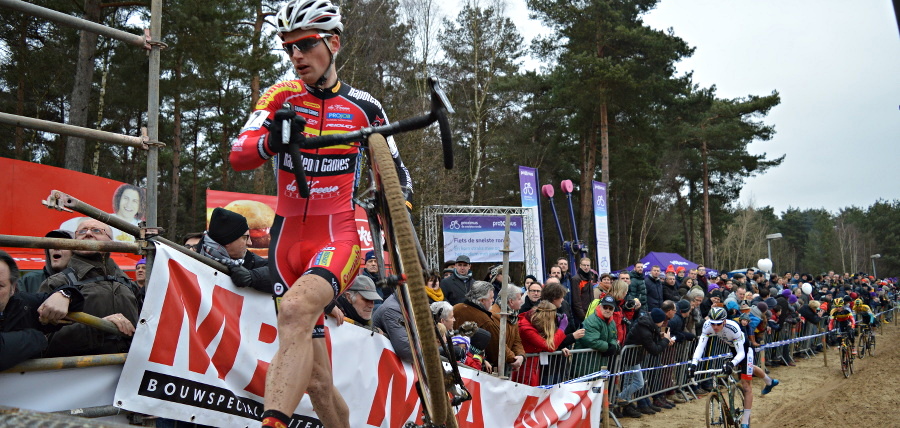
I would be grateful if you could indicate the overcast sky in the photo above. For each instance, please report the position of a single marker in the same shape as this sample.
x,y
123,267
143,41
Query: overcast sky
x,y
836,65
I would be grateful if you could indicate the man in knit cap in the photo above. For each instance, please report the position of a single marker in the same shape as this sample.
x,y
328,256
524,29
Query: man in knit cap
x,y
226,242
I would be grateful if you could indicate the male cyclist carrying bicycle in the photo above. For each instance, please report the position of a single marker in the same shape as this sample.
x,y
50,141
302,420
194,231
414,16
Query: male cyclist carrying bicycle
x,y
731,334
315,247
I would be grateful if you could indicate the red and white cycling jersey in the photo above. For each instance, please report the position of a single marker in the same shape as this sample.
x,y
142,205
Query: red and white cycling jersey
x,y
332,172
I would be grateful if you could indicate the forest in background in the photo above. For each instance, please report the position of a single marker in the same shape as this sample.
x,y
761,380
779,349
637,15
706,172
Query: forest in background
x,y
606,105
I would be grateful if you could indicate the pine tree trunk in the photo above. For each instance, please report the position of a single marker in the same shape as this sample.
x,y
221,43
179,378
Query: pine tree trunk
x,y
81,92
586,200
707,225
20,89
604,145
176,154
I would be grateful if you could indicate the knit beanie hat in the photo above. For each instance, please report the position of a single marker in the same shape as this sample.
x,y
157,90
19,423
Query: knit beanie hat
x,y
226,226
658,315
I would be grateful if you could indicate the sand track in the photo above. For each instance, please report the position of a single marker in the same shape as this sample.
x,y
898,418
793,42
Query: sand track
x,y
810,393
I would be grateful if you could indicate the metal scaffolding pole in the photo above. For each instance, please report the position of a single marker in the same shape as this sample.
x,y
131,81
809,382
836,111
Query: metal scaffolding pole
x,y
72,130
75,22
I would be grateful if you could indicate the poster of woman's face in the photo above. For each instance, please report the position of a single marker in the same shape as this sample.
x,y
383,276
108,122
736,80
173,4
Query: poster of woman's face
x,y
128,203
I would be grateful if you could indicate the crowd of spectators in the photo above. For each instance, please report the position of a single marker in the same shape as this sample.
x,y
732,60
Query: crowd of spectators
x,y
653,307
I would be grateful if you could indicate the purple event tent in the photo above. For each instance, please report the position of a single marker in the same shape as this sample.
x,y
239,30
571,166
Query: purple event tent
x,y
665,259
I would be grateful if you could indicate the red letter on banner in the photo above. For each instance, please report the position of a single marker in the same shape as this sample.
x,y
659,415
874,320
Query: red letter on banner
x,y
392,376
580,415
542,415
471,409
183,295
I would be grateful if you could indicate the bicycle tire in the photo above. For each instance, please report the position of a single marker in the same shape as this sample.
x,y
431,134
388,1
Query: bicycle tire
x,y
872,344
861,347
737,405
436,396
715,412
845,361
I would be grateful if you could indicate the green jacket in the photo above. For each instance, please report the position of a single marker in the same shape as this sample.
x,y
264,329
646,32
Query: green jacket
x,y
598,335
637,289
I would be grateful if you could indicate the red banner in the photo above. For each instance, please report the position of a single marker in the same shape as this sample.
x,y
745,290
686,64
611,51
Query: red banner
x,y
22,213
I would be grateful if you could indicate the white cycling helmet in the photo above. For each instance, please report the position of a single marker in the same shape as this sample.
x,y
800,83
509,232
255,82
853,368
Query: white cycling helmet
x,y
309,14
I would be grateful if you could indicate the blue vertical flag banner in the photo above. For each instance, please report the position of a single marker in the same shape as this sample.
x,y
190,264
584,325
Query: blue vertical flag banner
x,y
481,238
528,189
601,227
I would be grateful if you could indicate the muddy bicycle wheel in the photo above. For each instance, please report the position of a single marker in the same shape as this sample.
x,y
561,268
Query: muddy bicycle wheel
x,y
871,345
429,366
737,405
845,360
861,346
715,412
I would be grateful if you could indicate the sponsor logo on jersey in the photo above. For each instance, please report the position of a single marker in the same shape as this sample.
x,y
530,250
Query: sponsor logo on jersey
x,y
312,122
273,91
379,121
326,165
340,116
322,192
305,110
338,107
237,145
364,96
341,125
323,258
311,104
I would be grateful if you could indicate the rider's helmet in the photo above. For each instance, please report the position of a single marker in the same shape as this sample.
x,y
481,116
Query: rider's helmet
x,y
717,315
857,303
837,303
309,14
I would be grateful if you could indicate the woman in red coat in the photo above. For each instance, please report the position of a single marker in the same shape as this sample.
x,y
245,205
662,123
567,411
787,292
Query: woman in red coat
x,y
541,331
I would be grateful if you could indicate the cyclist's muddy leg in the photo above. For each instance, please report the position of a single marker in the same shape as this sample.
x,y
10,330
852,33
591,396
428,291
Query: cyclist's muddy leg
x,y
747,386
327,401
289,374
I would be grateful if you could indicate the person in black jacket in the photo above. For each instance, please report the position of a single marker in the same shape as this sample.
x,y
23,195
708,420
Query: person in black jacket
x,y
670,288
26,317
646,333
458,283
654,289
226,242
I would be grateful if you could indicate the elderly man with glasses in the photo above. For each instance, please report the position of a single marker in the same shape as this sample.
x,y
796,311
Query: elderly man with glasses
x,y
107,294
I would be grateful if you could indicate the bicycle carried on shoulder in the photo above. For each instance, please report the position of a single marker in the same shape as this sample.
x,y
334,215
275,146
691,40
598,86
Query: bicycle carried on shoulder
x,y
724,408
439,384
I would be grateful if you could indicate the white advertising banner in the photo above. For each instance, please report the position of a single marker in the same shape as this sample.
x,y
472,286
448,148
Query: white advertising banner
x,y
202,348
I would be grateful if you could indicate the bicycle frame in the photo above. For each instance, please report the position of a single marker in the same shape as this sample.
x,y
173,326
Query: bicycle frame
x,y
732,406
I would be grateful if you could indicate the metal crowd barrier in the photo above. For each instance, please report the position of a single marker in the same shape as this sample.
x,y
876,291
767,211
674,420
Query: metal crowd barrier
x,y
632,374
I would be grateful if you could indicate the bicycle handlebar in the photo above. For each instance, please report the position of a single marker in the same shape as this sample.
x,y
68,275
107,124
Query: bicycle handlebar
x,y
440,107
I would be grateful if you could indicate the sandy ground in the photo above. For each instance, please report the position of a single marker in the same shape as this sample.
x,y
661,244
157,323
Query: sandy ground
x,y
811,393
